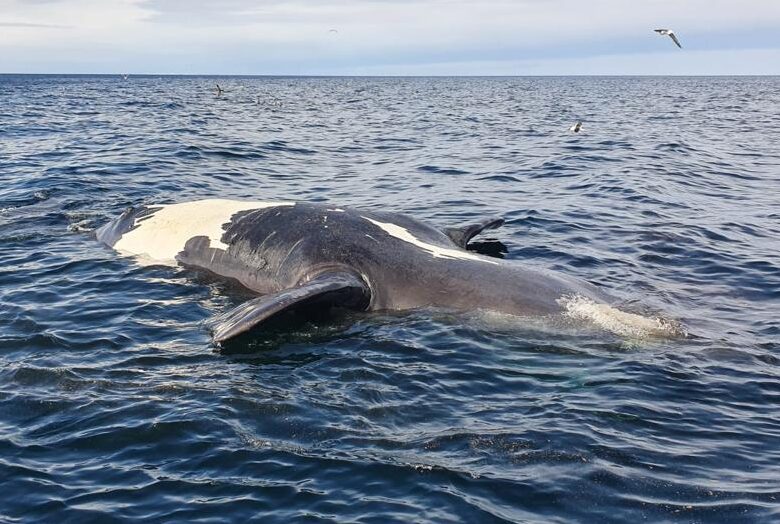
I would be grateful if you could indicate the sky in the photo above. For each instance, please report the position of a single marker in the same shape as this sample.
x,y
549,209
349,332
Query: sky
x,y
390,37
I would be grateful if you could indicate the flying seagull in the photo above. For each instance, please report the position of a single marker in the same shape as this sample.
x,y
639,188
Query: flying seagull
x,y
333,31
670,34
576,127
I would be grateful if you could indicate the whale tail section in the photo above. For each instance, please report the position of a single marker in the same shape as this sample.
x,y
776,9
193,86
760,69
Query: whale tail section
x,y
329,290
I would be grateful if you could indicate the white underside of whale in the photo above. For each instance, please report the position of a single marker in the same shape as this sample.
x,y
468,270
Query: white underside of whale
x,y
402,233
159,237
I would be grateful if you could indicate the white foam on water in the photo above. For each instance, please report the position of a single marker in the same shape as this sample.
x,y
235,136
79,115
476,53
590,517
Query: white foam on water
x,y
621,323
159,237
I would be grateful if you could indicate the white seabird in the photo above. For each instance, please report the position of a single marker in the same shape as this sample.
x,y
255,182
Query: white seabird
x,y
670,34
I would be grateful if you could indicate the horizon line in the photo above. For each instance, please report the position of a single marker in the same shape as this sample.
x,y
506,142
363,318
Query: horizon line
x,y
272,75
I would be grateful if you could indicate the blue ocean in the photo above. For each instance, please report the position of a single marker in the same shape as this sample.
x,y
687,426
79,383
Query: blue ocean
x,y
116,407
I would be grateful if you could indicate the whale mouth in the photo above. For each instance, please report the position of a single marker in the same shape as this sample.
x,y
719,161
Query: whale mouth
x,y
621,323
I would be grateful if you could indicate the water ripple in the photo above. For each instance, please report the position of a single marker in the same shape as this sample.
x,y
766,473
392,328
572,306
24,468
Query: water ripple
x,y
114,405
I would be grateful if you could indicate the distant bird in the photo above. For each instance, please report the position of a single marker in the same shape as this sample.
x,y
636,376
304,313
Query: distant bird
x,y
576,127
670,34
219,90
333,31
124,77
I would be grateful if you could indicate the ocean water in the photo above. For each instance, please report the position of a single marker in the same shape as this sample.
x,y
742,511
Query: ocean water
x,y
115,407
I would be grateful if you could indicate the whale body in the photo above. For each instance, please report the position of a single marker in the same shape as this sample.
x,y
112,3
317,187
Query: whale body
x,y
297,256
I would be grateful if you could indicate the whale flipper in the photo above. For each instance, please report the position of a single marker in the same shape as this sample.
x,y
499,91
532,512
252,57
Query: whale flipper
x,y
462,235
333,289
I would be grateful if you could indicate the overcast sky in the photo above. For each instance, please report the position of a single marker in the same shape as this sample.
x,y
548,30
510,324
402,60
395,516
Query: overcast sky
x,y
389,37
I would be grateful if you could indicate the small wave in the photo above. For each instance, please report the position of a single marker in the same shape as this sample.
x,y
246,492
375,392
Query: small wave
x,y
80,222
677,147
500,178
441,170
9,205
82,226
236,153
619,322
281,145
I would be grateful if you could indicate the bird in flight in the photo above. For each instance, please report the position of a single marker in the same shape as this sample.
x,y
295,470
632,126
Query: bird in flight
x,y
335,31
576,127
670,34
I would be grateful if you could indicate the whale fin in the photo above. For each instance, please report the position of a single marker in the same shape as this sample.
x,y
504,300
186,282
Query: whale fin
x,y
462,235
333,289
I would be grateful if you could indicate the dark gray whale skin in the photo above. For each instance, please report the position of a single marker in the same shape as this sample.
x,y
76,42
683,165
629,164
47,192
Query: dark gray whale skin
x,y
275,250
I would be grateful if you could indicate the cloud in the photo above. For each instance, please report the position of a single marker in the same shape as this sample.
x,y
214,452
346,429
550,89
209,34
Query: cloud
x,y
292,36
30,25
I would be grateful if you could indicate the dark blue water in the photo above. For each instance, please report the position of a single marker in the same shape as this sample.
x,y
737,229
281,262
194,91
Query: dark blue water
x,y
114,406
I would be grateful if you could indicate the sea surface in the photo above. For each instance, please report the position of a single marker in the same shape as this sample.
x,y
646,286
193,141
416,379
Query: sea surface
x,y
115,406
